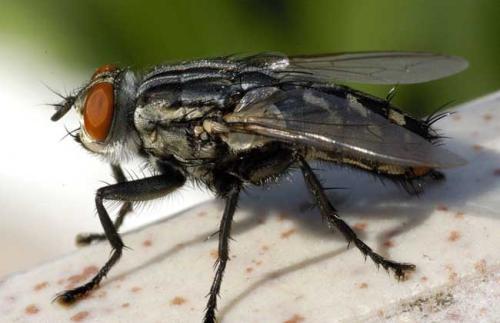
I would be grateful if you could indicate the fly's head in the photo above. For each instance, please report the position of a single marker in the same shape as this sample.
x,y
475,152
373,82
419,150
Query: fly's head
x,y
105,106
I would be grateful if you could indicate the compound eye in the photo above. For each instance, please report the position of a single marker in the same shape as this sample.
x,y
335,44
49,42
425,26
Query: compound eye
x,y
107,68
98,111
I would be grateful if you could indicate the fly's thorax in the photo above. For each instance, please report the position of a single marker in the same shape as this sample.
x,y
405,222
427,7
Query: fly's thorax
x,y
184,132
104,107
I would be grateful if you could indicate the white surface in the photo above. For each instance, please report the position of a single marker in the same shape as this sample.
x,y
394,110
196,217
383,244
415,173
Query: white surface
x,y
48,184
286,267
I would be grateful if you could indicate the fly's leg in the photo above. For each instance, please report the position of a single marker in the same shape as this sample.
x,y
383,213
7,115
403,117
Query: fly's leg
x,y
127,205
220,264
83,239
138,190
412,185
330,215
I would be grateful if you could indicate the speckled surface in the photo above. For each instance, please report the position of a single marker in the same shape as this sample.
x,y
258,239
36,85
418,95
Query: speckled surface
x,y
287,267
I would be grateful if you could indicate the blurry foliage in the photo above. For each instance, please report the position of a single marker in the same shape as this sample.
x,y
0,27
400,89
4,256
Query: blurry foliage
x,y
86,34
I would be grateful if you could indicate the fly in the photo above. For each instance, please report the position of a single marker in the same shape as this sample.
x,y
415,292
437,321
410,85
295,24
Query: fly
x,y
230,122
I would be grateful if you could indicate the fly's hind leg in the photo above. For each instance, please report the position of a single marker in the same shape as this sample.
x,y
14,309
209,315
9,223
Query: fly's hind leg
x,y
231,196
334,221
83,239
132,191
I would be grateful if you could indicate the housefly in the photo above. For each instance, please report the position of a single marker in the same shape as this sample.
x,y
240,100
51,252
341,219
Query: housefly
x,y
229,122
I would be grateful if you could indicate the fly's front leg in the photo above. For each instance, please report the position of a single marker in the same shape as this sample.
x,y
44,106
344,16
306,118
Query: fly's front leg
x,y
330,215
224,236
133,191
83,239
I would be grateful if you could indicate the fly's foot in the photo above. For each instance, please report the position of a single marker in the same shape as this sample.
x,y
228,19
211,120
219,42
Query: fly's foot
x,y
71,296
401,270
84,239
209,319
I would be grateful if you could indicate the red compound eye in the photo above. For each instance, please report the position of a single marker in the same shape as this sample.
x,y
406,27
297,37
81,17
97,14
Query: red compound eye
x,y
104,69
98,111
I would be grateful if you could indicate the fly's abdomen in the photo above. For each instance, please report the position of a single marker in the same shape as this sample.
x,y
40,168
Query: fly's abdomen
x,y
391,113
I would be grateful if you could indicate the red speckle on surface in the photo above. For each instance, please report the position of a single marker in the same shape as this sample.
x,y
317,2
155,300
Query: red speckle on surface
x,y
214,253
180,246
40,286
296,318
31,309
125,305
363,285
487,117
86,274
249,270
477,147
454,236
459,215
424,279
480,266
74,280
286,234
147,243
257,262
135,289
80,316
452,275
442,207
90,270
178,300
282,217
360,226
388,243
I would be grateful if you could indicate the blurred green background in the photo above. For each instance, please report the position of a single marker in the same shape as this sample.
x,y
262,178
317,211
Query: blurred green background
x,y
82,35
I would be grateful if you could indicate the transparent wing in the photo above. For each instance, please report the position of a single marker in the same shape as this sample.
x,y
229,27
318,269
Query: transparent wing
x,y
335,124
367,67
